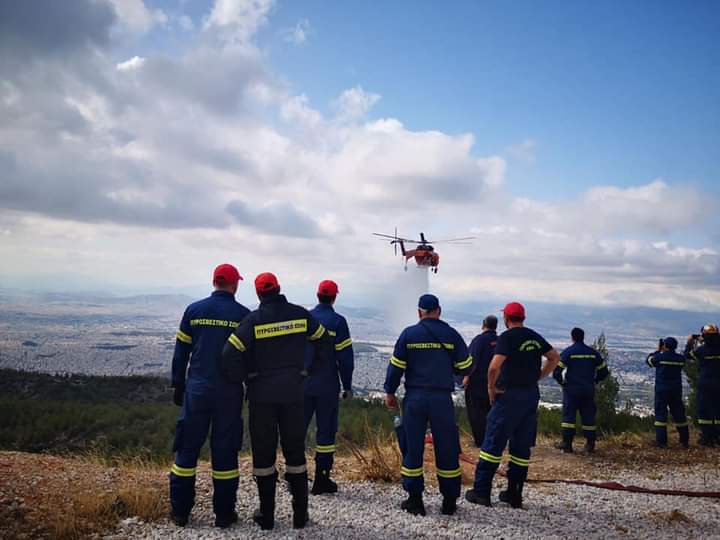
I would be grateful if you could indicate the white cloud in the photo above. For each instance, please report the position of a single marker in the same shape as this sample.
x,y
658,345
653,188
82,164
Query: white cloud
x,y
128,65
355,103
299,34
136,17
238,20
524,151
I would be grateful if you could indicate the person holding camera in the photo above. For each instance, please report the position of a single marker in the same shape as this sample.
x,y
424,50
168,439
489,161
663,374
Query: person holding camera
x,y
705,350
668,365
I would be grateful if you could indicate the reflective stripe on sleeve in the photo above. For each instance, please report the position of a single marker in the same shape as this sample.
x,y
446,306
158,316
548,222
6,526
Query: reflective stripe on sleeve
x,y
235,342
226,475
668,363
454,473
318,333
343,344
185,338
465,363
601,366
186,472
398,363
489,457
412,473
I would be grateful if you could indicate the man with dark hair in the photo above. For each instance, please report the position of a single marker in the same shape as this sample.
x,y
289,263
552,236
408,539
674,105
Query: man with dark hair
x,y
668,365
323,387
477,402
581,367
207,399
429,354
268,351
705,351
513,378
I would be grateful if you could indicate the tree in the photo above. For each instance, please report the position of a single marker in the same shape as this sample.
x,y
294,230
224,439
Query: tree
x,y
606,395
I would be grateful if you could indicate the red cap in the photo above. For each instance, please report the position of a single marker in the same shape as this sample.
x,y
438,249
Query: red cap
x,y
266,282
514,309
226,272
328,288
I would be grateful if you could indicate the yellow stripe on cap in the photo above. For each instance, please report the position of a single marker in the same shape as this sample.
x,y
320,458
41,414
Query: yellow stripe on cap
x,y
235,342
185,338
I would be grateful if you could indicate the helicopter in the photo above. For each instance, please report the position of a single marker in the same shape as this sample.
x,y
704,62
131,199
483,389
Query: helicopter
x,y
424,253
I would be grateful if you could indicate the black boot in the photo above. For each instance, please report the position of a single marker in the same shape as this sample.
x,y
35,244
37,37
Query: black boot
x,y
226,520
180,521
449,506
414,505
589,446
474,497
265,515
298,484
322,483
566,444
513,494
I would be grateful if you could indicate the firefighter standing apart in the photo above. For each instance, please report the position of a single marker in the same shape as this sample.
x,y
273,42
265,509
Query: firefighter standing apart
x,y
207,399
323,387
513,379
705,350
581,367
429,354
268,351
477,401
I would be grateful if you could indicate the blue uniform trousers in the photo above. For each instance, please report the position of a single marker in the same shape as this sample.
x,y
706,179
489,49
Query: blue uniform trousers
x,y
513,418
708,409
579,400
435,407
325,409
672,399
221,409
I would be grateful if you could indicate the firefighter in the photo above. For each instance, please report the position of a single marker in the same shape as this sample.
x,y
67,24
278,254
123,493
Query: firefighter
x,y
668,365
477,402
267,350
207,400
513,379
323,388
705,350
429,354
580,369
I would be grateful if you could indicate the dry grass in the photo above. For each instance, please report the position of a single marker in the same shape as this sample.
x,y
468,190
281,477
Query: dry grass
x,y
380,460
673,517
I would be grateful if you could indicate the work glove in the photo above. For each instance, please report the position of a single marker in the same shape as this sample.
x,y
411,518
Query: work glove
x,y
347,394
178,395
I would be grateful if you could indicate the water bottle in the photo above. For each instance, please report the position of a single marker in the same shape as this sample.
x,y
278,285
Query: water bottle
x,y
397,420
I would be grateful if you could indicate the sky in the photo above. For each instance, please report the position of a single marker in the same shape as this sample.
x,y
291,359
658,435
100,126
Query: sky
x,y
142,143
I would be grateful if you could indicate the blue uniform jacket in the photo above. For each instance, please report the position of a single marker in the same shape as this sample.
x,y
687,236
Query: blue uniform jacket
x,y
326,377
708,359
205,328
580,368
429,354
668,369
481,350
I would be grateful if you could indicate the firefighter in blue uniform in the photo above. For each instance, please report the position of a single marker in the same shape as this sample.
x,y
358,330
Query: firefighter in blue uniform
x,y
668,365
268,350
429,354
581,367
705,351
513,379
323,387
207,400
477,402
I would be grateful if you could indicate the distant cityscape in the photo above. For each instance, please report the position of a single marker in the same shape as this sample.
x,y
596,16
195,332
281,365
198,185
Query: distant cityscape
x,y
104,335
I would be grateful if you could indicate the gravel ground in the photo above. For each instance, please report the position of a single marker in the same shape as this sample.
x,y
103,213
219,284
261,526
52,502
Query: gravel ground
x,y
366,510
